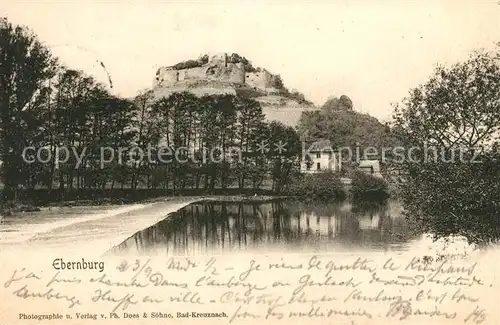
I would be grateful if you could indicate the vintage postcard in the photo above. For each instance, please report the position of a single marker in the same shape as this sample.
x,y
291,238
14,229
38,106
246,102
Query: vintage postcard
x,y
249,162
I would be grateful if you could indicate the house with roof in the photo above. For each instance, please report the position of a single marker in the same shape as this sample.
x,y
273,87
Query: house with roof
x,y
370,167
320,157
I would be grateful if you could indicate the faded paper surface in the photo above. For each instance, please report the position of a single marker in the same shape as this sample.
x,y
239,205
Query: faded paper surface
x,y
406,288
417,286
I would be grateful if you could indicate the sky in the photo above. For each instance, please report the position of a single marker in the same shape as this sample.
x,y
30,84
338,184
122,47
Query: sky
x,y
372,51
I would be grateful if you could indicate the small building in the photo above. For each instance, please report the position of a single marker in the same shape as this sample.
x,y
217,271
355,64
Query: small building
x,y
320,157
371,167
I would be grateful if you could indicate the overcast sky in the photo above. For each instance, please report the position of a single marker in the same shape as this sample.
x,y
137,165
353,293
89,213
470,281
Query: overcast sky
x,y
372,51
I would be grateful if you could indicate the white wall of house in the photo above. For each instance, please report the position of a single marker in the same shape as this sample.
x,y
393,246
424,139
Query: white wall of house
x,y
321,162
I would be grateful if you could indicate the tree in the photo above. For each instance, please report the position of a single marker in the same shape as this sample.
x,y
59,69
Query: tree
x,y
177,118
25,65
76,113
284,153
343,127
343,103
225,129
277,82
250,124
453,121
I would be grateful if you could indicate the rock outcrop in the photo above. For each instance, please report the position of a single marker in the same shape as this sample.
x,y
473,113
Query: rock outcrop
x,y
231,74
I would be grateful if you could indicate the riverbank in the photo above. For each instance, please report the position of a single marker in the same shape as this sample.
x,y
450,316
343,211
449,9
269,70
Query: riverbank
x,y
32,200
98,229
43,196
35,200
55,227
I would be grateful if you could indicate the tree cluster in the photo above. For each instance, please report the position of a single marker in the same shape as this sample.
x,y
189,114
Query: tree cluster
x,y
46,107
452,184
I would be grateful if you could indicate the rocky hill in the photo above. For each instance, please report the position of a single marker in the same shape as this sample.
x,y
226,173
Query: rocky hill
x,y
338,122
232,74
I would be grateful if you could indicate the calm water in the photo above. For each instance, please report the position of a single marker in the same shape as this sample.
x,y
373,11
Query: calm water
x,y
217,228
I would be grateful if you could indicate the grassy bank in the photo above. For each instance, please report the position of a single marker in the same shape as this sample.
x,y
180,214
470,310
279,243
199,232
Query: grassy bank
x,y
33,200
325,187
45,197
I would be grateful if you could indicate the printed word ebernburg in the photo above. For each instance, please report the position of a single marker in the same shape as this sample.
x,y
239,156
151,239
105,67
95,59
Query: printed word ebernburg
x,y
59,264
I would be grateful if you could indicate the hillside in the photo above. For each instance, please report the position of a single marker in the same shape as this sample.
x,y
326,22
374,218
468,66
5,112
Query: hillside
x,y
232,74
338,122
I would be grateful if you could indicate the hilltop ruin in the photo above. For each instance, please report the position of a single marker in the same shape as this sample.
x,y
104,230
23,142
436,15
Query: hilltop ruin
x,y
221,68
232,74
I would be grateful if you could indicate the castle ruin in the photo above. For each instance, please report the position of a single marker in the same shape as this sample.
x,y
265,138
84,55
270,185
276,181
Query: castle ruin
x,y
215,68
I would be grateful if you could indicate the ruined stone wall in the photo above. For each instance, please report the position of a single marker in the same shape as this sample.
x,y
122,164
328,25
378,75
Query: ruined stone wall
x,y
217,69
166,76
232,72
198,73
261,80
236,73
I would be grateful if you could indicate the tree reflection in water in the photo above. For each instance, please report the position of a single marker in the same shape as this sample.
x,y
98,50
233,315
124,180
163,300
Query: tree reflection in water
x,y
217,227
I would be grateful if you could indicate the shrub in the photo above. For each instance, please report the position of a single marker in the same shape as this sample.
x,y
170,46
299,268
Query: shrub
x,y
247,92
457,194
191,63
247,65
368,186
187,65
10,207
461,199
320,186
294,95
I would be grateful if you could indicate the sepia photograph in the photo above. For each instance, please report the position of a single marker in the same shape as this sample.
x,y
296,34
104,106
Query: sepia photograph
x,y
246,162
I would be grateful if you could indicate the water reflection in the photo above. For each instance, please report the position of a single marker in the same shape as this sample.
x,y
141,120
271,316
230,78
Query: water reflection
x,y
218,227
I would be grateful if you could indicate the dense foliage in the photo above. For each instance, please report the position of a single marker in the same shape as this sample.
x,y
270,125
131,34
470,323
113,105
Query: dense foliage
x,y
452,182
177,142
320,186
247,65
191,63
343,127
25,64
365,186
295,95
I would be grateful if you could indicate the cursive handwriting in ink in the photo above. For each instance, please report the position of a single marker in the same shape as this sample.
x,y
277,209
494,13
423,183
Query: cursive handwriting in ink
x,y
357,294
284,265
314,312
477,316
188,297
24,293
400,280
123,302
158,280
253,267
234,297
231,283
20,275
442,268
302,298
403,309
103,279
57,279
306,281
458,296
237,315
177,265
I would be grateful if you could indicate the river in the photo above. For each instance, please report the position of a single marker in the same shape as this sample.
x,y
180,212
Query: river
x,y
279,226
187,226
